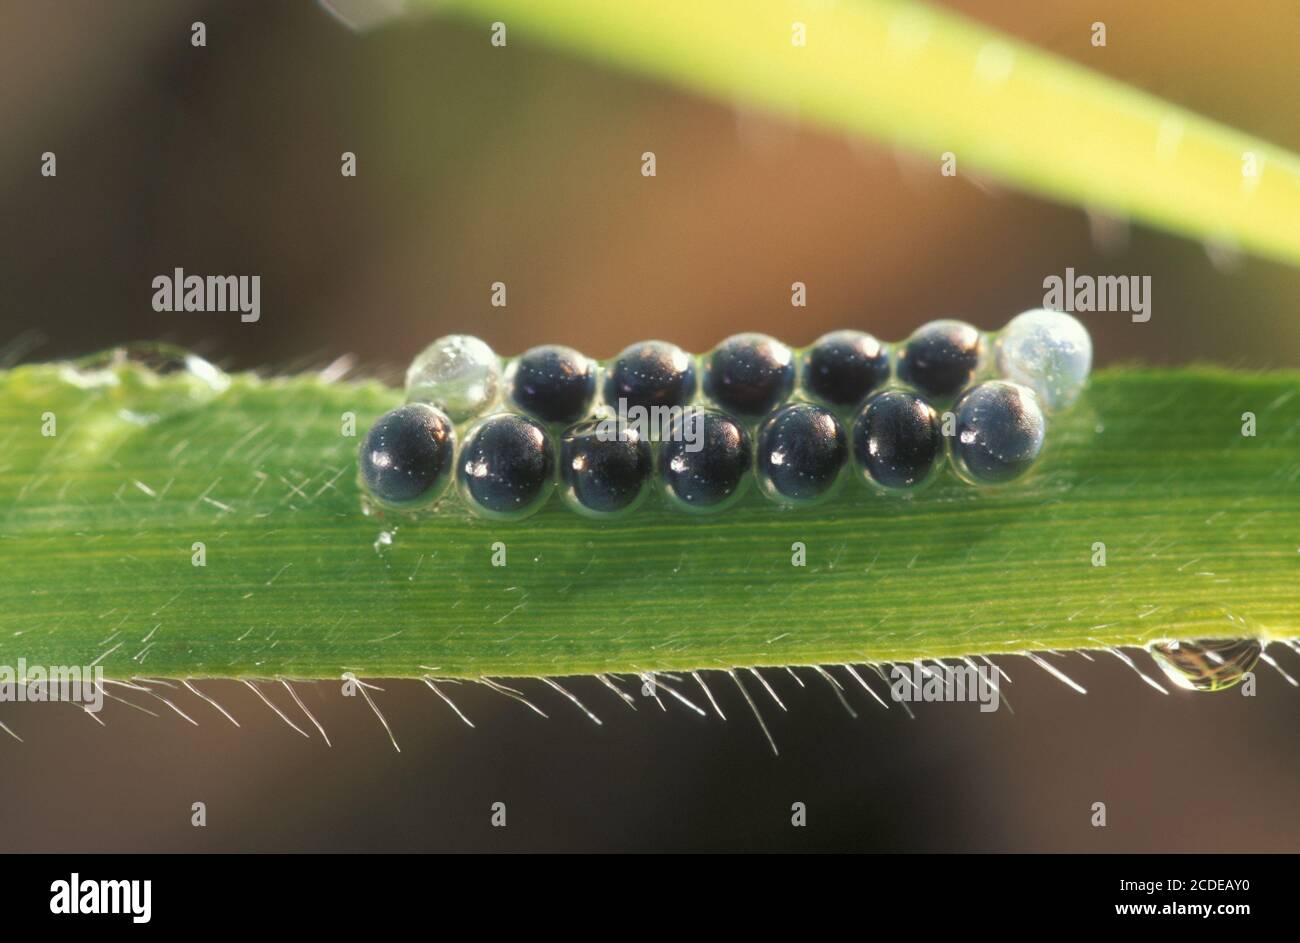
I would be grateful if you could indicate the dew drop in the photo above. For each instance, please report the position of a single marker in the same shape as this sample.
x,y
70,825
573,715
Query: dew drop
x,y
1216,662
146,382
107,366
143,364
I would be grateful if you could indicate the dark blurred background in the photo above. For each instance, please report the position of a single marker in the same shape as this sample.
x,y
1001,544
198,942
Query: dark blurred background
x,y
478,164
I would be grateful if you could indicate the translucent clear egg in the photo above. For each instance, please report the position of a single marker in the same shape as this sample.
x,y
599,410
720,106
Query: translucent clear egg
x,y
459,374
1048,351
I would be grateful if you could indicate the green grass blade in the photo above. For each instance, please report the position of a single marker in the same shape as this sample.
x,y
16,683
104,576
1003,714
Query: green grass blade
x,y
99,521
938,82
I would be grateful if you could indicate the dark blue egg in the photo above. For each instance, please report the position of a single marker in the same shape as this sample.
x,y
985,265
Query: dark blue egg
x,y
706,461
406,456
650,374
842,368
897,440
940,358
749,375
604,469
800,453
553,383
506,466
1000,432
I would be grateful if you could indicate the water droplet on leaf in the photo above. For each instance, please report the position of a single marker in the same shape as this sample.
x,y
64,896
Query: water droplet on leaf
x,y
1229,650
147,381
159,359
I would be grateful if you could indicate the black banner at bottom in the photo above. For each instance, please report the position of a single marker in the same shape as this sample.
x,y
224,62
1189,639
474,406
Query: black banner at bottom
x,y
94,892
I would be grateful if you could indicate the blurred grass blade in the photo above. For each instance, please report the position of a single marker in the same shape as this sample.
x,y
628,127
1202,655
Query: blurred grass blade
x,y
937,82
101,522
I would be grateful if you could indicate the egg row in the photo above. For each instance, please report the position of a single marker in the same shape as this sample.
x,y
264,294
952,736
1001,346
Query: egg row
x,y
703,459
702,427
749,375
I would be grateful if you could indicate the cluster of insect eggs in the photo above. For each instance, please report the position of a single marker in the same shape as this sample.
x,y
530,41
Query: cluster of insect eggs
x,y
703,426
